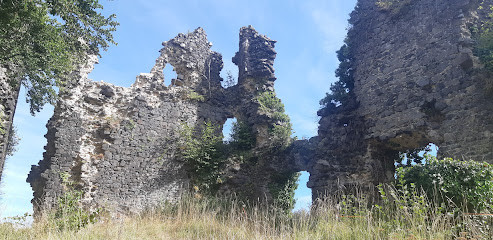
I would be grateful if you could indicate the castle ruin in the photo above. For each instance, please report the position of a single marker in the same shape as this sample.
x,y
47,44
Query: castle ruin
x,y
416,81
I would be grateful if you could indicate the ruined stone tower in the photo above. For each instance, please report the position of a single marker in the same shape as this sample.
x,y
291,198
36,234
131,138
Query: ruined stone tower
x,y
416,81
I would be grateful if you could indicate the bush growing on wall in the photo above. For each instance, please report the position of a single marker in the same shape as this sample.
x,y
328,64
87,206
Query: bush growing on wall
x,y
242,138
272,106
203,153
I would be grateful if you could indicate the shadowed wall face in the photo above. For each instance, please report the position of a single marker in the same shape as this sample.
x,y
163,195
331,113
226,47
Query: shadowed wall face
x,y
122,146
415,82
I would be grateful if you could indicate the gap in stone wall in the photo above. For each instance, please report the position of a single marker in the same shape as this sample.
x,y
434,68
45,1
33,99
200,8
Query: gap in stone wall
x,y
230,77
303,194
228,129
169,74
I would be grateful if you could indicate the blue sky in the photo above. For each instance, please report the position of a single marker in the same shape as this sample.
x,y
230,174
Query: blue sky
x,y
307,32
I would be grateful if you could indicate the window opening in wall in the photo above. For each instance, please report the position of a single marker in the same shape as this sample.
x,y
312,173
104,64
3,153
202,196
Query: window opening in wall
x,y
228,129
169,74
229,78
303,194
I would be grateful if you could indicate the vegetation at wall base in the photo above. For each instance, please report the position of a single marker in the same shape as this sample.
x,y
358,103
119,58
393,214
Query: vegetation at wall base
x,y
282,189
204,156
403,214
466,184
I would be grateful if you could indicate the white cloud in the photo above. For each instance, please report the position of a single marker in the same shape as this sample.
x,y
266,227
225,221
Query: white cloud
x,y
326,15
304,126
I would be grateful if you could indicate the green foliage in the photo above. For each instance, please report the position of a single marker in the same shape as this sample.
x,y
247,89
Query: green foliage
x,y
273,107
394,6
413,156
242,138
282,189
482,33
69,213
341,90
44,40
468,184
13,141
192,95
203,153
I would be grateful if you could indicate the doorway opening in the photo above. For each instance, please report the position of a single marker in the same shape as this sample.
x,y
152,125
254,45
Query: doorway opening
x,y
303,194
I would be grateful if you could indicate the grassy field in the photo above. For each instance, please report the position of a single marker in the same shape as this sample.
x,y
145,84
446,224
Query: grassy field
x,y
351,218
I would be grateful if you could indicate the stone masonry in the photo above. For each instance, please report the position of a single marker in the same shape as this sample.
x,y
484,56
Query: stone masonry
x,y
120,146
416,82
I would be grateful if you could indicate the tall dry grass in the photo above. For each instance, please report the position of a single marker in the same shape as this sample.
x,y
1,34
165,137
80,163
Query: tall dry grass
x,y
400,216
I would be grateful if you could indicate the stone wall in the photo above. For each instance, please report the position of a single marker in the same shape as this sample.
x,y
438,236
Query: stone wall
x,y
120,146
8,101
416,82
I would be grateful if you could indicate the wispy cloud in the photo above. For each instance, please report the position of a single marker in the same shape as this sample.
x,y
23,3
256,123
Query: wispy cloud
x,y
326,15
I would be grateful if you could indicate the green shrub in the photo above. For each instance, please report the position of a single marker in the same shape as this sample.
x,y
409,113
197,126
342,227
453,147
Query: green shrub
x,y
203,153
242,138
69,214
282,189
468,184
281,129
272,106
482,33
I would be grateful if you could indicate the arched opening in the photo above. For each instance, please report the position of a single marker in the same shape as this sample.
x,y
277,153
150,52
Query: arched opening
x,y
169,74
303,194
228,129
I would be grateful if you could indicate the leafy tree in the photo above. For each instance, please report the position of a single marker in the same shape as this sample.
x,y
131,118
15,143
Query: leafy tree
x,y
42,41
340,90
